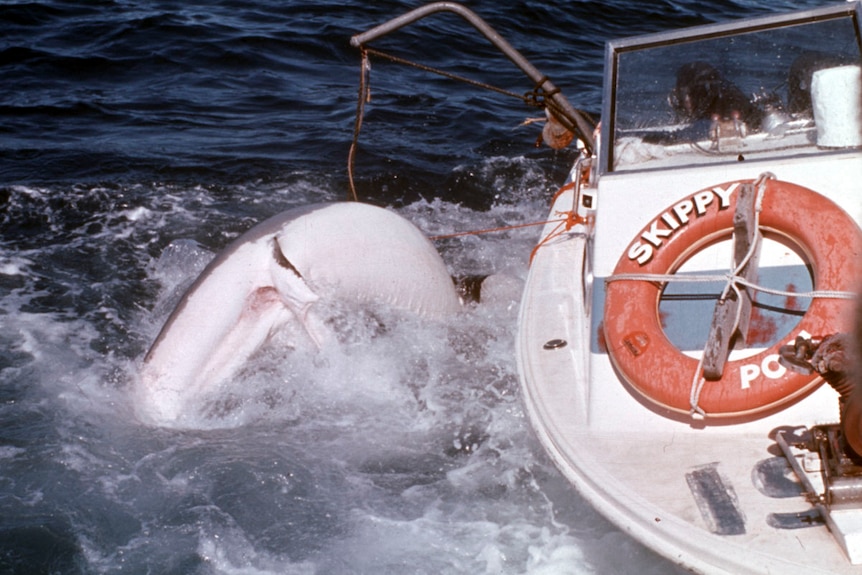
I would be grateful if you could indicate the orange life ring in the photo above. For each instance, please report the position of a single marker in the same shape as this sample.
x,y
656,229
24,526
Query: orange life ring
x,y
828,237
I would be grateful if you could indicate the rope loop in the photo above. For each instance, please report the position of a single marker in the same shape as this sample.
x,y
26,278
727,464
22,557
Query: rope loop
x,y
539,97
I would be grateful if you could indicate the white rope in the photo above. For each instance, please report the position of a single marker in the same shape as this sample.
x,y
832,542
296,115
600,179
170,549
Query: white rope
x,y
671,278
696,411
831,294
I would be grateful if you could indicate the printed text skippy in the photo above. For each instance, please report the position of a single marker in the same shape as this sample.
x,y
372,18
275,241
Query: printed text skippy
x,y
674,220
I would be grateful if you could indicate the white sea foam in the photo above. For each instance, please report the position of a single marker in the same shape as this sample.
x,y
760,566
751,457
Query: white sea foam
x,y
401,448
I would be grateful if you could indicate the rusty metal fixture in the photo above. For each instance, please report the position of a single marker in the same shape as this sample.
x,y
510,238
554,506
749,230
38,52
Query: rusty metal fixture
x,y
834,358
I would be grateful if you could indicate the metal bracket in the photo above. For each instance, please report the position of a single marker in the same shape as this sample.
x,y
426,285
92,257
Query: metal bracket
x,y
567,115
732,313
833,483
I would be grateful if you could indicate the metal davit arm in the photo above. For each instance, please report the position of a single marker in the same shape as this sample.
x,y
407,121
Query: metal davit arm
x,y
561,109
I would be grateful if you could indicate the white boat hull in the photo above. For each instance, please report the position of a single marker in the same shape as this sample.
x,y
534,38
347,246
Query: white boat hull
x,y
693,492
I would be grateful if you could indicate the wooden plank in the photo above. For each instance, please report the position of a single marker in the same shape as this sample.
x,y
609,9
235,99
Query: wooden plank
x,y
722,334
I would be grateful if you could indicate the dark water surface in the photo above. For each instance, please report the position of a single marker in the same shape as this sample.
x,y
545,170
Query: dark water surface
x,y
136,139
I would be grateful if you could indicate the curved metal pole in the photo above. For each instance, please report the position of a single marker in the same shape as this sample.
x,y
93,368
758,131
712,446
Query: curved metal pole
x,y
569,116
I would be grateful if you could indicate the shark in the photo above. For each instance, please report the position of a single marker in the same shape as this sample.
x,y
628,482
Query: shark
x,y
278,272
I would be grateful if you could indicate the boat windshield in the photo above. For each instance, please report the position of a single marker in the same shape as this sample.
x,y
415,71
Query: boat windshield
x,y
779,86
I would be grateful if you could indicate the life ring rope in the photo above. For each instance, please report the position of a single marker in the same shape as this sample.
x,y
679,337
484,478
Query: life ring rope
x,y
707,278
696,411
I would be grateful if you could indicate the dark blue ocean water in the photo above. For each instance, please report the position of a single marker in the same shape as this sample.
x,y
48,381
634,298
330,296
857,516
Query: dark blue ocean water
x,y
136,139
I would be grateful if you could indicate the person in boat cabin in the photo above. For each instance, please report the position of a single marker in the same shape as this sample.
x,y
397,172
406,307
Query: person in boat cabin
x,y
704,100
703,96
702,93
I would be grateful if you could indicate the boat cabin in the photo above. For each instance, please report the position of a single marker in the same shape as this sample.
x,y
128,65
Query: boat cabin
x,y
784,86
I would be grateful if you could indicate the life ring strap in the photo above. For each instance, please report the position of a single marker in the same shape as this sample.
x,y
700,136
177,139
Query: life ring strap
x,y
711,278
